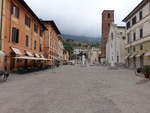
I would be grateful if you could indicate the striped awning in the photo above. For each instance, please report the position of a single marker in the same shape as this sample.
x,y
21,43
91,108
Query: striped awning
x,y
127,56
16,51
36,55
30,58
26,58
133,55
147,54
29,54
140,54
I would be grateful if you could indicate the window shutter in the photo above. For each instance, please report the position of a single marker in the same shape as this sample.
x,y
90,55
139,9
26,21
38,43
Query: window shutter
x,y
12,5
17,35
13,34
18,12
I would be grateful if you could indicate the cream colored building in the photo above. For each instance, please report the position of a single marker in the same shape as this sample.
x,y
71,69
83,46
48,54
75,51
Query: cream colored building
x,y
60,49
115,47
94,54
138,36
66,56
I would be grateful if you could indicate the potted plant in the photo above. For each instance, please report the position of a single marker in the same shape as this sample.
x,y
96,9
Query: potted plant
x,y
146,71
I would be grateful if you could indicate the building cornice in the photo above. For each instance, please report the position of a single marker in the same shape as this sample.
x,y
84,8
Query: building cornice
x,y
134,11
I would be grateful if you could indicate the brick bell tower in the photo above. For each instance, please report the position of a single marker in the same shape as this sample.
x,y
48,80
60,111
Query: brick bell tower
x,y
107,19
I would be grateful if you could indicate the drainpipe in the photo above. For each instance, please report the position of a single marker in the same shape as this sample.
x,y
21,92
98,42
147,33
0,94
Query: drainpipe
x,y
1,25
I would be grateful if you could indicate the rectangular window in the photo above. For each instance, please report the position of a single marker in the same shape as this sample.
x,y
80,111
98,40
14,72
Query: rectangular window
x,y
35,44
27,41
36,28
15,35
128,25
134,21
41,32
140,15
128,35
27,21
128,50
15,11
134,36
141,33
40,47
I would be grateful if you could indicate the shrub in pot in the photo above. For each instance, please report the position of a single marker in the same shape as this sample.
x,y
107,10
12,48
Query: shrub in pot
x,y
146,71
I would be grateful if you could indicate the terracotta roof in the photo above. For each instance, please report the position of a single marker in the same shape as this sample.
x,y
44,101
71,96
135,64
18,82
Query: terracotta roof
x,y
138,7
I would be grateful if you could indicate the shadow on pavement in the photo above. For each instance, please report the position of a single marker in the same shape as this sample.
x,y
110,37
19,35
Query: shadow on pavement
x,y
144,81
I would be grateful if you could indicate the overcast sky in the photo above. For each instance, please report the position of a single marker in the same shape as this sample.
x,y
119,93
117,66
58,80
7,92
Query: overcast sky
x,y
81,17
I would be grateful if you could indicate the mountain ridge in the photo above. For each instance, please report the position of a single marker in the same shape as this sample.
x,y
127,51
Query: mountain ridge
x,y
81,38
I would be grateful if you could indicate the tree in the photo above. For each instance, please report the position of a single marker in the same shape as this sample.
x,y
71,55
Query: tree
x,y
68,46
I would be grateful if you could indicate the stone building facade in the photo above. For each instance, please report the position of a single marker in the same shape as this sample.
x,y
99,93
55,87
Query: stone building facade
x,y
115,47
138,35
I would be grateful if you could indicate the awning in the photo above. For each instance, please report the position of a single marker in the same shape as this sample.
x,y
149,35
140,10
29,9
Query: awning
x,y
50,59
16,51
42,56
147,54
127,56
140,54
36,55
26,58
29,53
30,58
133,55
2,53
